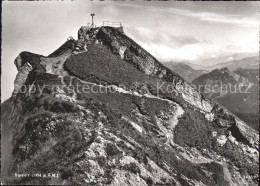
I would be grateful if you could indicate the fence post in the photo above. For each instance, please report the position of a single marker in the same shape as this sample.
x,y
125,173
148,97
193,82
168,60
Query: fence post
x,y
112,23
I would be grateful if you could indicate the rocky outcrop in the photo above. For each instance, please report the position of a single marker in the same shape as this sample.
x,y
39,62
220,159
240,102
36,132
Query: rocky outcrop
x,y
86,36
32,59
21,76
83,33
54,65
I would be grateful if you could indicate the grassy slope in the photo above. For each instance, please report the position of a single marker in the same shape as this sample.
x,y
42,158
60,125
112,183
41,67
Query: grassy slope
x,y
101,63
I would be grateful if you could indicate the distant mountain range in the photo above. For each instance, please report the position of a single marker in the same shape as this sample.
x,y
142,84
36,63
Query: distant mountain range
x,y
226,58
190,71
236,90
247,63
187,71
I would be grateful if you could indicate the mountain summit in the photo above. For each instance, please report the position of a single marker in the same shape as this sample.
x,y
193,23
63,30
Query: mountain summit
x,y
101,110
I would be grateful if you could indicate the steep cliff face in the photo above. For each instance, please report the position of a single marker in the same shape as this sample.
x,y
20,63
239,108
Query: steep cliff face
x,y
21,77
112,114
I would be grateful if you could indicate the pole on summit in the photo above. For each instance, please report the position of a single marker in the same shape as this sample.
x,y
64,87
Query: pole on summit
x,y
92,15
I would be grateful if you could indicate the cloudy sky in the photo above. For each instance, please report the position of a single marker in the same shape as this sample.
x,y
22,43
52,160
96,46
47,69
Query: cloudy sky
x,y
172,31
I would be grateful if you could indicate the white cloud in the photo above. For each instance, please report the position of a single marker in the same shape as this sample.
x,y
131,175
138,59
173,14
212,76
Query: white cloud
x,y
230,58
148,35
223,18
165,53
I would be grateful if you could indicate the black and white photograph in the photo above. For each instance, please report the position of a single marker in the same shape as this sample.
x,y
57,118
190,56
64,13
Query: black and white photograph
x,y
130,93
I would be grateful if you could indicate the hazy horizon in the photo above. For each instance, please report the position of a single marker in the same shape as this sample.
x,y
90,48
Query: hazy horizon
x,y
171,31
